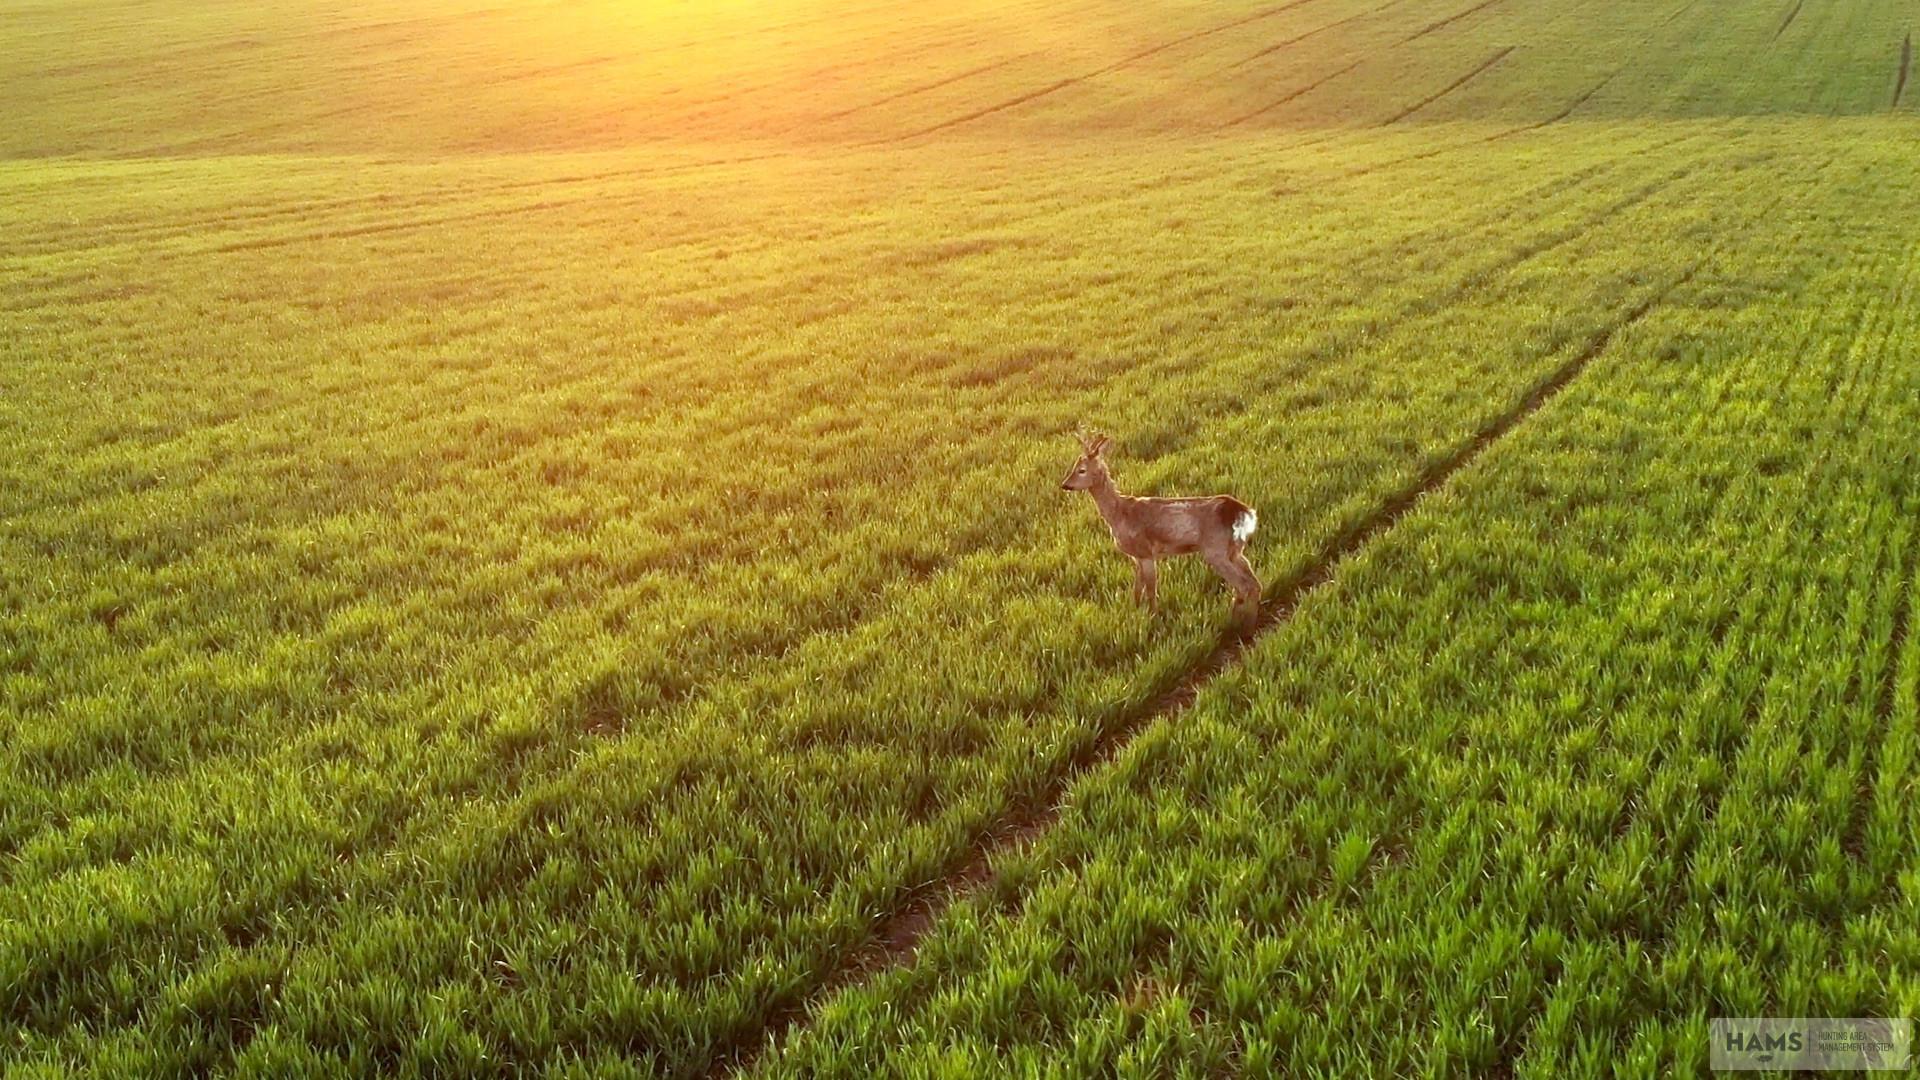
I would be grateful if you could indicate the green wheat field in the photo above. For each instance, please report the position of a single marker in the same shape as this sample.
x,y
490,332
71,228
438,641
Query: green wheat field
x,y
531,539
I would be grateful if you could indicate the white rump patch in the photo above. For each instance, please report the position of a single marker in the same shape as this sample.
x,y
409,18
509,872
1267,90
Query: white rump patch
x,y
1244,525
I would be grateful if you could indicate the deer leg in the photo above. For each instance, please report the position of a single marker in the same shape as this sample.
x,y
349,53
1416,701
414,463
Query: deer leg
x,y
1233,569
1146,582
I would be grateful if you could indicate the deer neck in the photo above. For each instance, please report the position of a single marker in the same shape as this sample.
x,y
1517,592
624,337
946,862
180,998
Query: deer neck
x,y
1112,504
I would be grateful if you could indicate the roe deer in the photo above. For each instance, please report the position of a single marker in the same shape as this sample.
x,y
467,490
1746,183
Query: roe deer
x,y
1215,527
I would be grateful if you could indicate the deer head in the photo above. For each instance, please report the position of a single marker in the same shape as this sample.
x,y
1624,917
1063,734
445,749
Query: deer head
x,y
1092,466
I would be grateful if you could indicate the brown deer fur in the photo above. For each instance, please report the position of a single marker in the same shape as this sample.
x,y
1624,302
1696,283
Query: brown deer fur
x,y
1215,527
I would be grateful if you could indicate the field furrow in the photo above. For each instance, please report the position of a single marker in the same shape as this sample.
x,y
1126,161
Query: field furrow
x,y
1449,88
1906,65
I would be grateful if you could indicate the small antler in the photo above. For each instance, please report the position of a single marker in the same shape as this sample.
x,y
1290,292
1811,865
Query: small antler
x,y
1091,444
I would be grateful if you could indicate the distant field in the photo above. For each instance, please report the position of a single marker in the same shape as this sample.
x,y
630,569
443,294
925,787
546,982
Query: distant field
x,y
530,537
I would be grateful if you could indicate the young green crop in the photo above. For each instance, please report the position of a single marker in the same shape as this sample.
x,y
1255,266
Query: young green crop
x,y
499,579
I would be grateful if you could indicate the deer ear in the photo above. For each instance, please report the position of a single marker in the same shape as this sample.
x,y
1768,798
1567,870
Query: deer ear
x,y
1098,445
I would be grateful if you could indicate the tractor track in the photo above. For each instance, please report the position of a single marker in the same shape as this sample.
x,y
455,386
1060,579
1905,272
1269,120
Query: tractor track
x,y
1906,65
1075,80
1448,21
1450,87
1584,96
1301,92
1788,21
1679,11
1316,31
924,87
